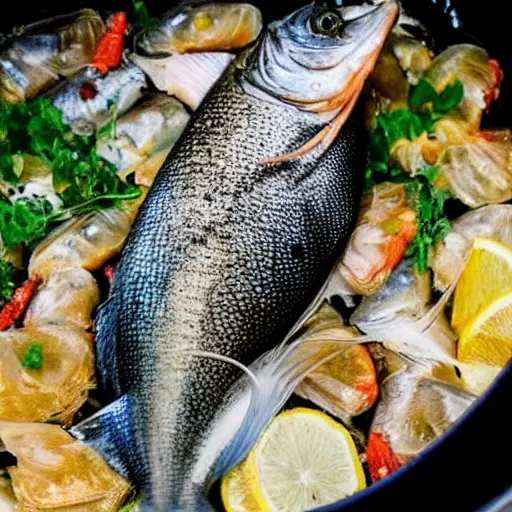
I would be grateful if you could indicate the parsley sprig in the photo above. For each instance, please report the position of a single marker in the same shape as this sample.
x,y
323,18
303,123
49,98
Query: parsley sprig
x,y
7,282
426,107
83,180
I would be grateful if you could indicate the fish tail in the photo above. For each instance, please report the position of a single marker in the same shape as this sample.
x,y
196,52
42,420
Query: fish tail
x,y
109,432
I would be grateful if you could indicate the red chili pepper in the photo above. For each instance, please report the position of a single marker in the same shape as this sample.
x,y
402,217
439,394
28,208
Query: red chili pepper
x,y
494,92
15,309
109,273
382,461
110,50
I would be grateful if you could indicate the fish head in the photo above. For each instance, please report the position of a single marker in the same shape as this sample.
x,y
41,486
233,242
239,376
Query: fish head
x,y
203,28
315,56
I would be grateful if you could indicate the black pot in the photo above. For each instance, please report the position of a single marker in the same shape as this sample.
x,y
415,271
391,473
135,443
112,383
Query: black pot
x,y
466,470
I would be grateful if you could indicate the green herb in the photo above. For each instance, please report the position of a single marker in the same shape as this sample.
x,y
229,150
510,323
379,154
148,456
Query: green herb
x,y
33,358
24,221
408,123
433,223
7,281
142,18
83,180
449,98
131,506
425,93
109,129
426,107
390,127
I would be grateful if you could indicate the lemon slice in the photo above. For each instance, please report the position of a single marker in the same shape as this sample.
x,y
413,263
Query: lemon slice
x,y
303,460
236,493
487,276
488,338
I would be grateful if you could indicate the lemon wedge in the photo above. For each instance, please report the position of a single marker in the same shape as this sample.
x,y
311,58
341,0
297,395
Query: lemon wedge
x,y
488,338
487,276
303,460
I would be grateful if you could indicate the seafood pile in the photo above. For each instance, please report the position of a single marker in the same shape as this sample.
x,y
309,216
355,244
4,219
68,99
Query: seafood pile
x,y
193,241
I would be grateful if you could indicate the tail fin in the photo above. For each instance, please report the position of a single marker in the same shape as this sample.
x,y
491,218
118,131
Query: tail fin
x,y
110,433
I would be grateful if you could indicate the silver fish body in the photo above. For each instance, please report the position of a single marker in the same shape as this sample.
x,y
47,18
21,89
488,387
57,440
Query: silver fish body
x,y
225,256
33,61
86,100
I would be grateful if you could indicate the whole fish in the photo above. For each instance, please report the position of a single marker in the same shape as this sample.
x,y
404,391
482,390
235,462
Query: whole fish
x,y
236,238
89,99
202,28
45,50
191,47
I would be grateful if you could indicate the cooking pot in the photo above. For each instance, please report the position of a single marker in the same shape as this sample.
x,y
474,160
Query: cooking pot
x,y
467,468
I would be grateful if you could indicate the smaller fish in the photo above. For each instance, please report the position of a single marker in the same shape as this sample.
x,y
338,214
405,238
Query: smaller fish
x,y
493,221
193,46
149,130
480,75
210,27
346,385
402,317
397,315
46,50
414,410
479,170
47,457
88,99
86,242
475,167
67,297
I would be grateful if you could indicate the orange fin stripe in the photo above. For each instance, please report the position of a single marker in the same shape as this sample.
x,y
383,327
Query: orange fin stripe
x,y
325,137
346,101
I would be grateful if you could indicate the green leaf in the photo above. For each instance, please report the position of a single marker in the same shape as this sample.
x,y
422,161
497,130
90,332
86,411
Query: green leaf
x,y
7,281
422,94
449,98
142,18
24,221
33,357
431,173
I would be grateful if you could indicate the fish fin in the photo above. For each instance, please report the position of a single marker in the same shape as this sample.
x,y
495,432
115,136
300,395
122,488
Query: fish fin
x,y
277,372
187,76
109,432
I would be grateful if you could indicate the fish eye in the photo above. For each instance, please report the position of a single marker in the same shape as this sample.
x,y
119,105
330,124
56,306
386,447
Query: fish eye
x,y
202,21
326,22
